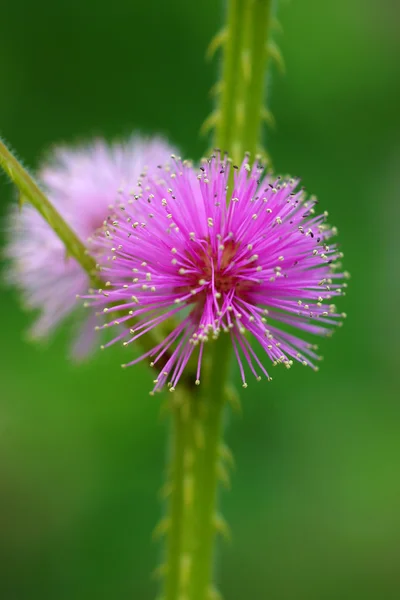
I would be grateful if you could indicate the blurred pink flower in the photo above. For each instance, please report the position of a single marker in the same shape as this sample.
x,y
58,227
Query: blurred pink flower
x,y
82,183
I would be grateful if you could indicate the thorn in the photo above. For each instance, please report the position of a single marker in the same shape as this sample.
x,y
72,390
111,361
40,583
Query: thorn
x,y
166,490
223,475
217,42
210,122
161,528
233,398
222,527
216,91
276,25
268,117
226,455
213,594
276,55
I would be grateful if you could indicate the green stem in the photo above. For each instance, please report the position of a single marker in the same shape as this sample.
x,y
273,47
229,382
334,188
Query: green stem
x,y
196,466
30,191
258,20
197,457
175,491
225,132
209,468
238,128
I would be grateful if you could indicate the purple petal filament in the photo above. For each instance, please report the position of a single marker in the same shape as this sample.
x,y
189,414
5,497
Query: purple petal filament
x,y
254,263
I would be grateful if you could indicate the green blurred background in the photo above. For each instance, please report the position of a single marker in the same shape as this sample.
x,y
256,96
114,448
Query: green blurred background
x,y
315,505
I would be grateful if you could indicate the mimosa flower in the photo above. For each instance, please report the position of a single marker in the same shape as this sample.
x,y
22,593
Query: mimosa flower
x,y
249,260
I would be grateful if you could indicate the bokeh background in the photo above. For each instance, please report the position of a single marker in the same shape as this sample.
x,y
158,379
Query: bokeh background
x,y
315,505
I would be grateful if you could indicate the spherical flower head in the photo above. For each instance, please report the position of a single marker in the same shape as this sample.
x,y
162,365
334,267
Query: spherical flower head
x,y
244,256
81,183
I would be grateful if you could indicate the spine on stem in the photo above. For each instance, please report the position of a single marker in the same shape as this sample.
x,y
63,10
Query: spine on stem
x,y
199,458
246,51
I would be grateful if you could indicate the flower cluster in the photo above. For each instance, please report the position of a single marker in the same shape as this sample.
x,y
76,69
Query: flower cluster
x,y
209,253
81,183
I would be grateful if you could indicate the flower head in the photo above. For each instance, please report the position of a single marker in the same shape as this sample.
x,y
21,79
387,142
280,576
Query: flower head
x,y
81,183
247,259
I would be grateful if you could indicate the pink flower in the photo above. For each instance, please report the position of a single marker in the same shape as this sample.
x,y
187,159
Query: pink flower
x,y
81,183
256,262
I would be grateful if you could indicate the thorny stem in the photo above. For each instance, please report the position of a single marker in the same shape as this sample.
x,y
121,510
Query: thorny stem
x,y
245,58
209,469
197,464
257,24
230,89
197,458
